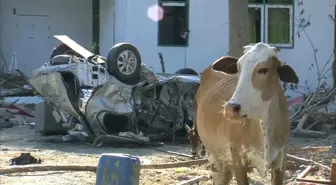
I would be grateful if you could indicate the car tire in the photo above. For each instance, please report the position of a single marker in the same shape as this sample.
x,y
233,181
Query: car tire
x,y
186,71
122,55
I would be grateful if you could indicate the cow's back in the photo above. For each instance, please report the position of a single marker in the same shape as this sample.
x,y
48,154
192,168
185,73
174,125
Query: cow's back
x,y
221,136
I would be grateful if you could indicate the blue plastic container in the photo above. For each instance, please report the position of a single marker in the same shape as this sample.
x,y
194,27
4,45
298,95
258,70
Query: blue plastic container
x,y
118,169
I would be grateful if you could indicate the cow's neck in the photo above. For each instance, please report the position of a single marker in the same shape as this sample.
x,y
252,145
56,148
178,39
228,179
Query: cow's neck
x,y
275,124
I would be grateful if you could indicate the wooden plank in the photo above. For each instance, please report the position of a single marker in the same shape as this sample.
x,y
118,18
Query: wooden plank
x,y
192,181
307,183
333,172
312,181
304,173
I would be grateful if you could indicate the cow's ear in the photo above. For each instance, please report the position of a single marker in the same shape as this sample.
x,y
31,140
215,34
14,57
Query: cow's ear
x,y
226,64
287,74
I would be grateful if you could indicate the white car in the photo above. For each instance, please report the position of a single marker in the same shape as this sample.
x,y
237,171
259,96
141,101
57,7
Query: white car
x,y
126,95
123,62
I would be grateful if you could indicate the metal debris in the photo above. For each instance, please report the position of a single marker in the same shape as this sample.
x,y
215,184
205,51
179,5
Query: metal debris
x,y
25,159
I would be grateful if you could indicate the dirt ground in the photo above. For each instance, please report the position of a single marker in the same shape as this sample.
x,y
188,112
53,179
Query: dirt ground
x,y
53,151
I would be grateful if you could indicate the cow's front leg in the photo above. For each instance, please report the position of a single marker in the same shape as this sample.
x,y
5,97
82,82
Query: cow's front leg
x,y
221,175
241,175
278,170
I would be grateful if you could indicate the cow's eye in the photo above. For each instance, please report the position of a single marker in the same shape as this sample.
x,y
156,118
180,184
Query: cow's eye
x,y
263,71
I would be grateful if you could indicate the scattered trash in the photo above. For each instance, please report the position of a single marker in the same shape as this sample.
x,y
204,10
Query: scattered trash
x,y
25,159
140,136
302,177
6,123
195,180
66,138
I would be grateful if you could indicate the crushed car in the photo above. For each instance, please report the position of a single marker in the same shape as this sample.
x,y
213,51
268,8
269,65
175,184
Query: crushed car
x,y
100,97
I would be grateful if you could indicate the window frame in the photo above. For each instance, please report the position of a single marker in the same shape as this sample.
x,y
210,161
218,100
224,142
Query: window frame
x,y
175,3
291,26
262,10
264,23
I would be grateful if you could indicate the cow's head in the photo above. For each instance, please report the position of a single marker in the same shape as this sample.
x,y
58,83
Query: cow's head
x,y
194,140
259,71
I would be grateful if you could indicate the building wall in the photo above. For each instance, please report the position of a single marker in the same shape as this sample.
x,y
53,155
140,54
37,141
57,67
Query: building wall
x,y
320,35
208,37
29,32
107,28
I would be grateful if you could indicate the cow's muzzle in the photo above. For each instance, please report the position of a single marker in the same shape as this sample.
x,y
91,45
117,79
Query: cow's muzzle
x,y
232,110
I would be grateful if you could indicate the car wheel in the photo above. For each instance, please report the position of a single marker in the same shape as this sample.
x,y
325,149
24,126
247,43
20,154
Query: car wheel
x,y
186,71
124,62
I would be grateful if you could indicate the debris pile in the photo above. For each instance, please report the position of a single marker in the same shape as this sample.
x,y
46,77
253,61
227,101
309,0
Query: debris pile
x,y
315,114
25,159
5,123
14,85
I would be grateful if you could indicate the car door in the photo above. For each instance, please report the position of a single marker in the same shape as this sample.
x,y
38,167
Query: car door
x,y
53,89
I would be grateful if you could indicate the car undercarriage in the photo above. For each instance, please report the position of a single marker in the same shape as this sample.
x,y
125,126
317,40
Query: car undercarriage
x,y
93,104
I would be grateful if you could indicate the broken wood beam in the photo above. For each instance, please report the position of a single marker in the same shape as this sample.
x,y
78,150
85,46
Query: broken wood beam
x,y
307,161
308,133
163,68
192,181
305,172
313,181
333,172
175,164
301,177
35,168
317,149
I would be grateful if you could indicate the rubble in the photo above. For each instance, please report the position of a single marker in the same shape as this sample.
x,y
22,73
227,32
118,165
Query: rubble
x,y
14,85
315,115
25,159
302,177
5,123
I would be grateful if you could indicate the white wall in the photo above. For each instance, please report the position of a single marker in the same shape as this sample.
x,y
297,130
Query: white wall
x,y
207,40
106,36
321,34
208,37
31,37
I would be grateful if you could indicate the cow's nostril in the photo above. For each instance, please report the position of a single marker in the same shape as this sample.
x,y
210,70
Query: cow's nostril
x,y
236,107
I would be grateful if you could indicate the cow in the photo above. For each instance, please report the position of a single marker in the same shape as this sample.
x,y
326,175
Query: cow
x,y
242,115
197,149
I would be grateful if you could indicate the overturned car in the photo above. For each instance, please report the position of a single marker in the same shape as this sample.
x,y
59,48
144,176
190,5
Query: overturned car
x,y
103,97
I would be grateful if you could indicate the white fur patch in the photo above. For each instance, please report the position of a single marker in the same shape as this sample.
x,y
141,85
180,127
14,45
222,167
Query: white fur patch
x,y
245,94
247,48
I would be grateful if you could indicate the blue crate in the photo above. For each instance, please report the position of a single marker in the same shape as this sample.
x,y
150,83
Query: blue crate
x,y
118,169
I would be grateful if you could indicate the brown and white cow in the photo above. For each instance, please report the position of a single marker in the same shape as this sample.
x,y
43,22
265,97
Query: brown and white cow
x,y
242,116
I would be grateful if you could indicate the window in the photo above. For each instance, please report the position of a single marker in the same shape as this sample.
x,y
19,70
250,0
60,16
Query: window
x,y
271,21
173,27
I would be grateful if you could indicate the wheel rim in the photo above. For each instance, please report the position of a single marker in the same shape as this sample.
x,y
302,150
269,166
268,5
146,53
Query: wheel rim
x,y
126,62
